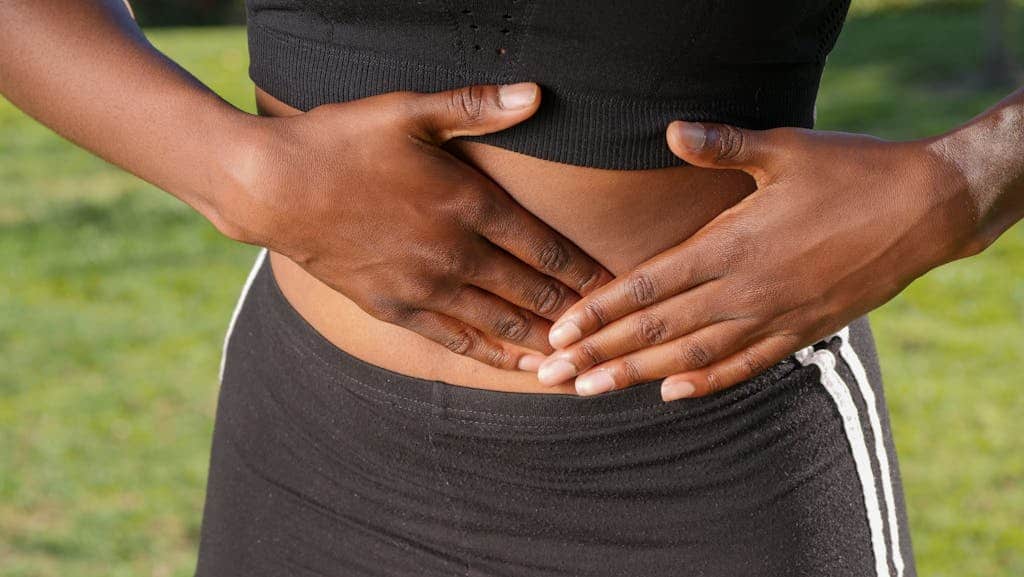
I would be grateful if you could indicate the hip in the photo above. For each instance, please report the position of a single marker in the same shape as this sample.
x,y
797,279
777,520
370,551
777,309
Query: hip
x,y
329,463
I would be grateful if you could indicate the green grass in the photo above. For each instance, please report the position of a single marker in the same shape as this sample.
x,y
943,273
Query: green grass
x,y
114,298
951,344
113,302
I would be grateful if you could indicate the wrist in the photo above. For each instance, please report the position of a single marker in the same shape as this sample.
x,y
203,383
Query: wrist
x,y
254,201
235,175
983,171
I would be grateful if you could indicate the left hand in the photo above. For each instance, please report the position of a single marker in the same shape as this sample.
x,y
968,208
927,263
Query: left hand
x,y
838,225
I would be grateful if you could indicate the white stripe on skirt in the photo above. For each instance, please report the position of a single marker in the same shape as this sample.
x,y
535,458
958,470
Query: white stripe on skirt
x,y
238,307
833,383
881,454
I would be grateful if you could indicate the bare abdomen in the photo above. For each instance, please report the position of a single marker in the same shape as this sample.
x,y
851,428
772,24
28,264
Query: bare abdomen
x,y
620,218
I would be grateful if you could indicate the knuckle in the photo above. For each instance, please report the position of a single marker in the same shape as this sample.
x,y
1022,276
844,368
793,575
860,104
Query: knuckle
x,y
470,209
584,284
641,288
589,353
389,310
650,329
729,142
461,202
498,357
753,363
731,249
693,353
630,370
467,104
459,264
752,298
552,256
429,291
513,327
494,211
596,311
420,292
548,298
714,382
481,211
461,341
449,297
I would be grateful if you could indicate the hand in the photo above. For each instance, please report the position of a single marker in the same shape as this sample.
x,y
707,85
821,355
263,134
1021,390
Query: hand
x,y
362,196
838,225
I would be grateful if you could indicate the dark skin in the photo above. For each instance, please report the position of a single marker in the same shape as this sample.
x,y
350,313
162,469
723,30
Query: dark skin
x,y
422,240
838,225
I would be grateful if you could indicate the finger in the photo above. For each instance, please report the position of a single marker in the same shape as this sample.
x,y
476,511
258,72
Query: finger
x,y
664,275
695,350
521,233
497,318
679,315
514,281
714,145
463,339
743,365
471,110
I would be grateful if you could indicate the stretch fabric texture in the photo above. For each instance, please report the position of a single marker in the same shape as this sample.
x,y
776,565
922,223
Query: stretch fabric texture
x,y
613,74
326,465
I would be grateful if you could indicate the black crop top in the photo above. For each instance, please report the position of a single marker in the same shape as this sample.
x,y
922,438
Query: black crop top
x,y
613,74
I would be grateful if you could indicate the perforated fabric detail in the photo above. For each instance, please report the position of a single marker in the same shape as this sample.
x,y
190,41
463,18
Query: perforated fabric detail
x,y
612,74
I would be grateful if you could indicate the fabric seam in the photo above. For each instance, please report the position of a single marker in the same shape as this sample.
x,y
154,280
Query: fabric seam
x,y
611,99
300,347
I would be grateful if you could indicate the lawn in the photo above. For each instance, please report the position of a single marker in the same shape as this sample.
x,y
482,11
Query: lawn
x,y
114,298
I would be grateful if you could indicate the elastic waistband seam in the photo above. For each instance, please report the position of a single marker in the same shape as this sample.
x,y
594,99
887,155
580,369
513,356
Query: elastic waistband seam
x,y
299,343
298,340
347,53
573,126
430,408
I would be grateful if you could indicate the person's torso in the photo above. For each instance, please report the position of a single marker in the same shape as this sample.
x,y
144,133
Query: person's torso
x,y
613,75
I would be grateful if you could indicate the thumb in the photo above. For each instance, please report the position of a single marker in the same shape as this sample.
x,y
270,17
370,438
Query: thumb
x,y
718,145
473,110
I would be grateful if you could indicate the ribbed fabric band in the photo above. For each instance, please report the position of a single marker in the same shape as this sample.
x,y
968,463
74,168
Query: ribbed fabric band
x,y
586,129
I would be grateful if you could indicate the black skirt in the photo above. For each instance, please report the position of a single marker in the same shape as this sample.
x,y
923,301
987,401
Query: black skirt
x,y
325,464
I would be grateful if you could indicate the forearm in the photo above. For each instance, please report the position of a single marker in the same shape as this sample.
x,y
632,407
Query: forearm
x,y
988,156
84,69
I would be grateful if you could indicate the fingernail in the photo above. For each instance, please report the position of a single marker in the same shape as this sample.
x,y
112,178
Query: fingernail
x,y
672,390
520,95
530,362
691,134
555,372
564,334
594,383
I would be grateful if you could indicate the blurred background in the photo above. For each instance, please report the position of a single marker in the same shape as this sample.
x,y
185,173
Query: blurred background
x,y
114,299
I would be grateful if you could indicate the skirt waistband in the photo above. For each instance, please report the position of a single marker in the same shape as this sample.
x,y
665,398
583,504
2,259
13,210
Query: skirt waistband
x,y
474,404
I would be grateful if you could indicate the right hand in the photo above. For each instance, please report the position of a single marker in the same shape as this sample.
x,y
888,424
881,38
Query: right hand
x,y
361,195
